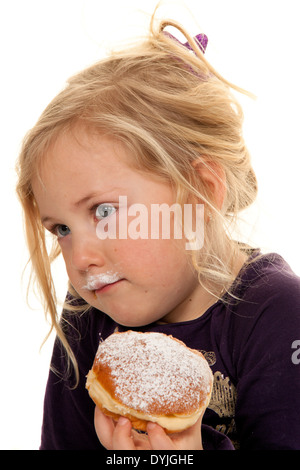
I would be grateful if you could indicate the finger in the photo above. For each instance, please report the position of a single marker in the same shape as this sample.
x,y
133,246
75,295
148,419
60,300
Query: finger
x,y
158,439
193,435
189,438
140,440
104,427
122,437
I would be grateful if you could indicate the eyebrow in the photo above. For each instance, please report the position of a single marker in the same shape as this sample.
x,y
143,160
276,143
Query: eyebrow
x,y
85,199
46,219
95,194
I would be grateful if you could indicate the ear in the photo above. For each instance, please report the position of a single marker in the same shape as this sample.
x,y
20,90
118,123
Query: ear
x,y
214,178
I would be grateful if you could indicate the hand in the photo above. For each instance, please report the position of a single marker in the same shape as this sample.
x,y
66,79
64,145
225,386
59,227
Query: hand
x,y
121,436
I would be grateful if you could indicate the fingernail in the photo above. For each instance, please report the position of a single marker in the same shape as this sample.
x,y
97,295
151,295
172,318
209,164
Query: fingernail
x,y
151,425
122,421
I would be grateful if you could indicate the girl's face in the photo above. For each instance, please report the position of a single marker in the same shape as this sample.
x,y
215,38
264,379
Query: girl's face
x,y
136,281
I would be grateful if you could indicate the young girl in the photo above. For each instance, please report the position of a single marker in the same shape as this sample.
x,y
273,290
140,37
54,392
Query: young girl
x,y
155,125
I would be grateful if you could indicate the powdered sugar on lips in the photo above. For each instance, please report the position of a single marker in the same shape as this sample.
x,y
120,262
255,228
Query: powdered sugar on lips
x,y
98,281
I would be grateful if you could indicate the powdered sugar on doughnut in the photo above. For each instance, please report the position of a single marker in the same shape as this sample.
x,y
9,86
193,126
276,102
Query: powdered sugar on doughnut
x,y
154,373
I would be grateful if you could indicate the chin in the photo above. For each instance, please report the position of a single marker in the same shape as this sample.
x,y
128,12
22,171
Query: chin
x,y
129,322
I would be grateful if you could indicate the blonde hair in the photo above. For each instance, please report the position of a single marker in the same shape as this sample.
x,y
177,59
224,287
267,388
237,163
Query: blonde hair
x,y
170,108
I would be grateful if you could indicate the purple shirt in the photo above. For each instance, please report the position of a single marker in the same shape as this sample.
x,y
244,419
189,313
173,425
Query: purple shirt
x,y
255,403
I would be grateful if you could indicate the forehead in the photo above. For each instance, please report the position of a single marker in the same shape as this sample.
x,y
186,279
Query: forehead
x,y
77,155
77,150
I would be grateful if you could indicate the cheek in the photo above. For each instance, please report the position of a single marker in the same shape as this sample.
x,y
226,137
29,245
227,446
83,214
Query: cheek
x,y
154,260
66,256
72,273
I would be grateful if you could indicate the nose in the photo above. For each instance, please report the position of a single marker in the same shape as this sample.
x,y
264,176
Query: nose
x,y
86,252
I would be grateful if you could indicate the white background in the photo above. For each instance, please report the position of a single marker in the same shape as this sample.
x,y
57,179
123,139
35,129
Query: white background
x,y
253,43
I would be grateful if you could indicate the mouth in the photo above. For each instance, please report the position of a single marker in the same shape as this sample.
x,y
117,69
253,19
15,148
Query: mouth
x,y
102,282
106,287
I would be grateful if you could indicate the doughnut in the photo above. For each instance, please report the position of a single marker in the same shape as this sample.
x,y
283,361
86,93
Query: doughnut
x,y
150,377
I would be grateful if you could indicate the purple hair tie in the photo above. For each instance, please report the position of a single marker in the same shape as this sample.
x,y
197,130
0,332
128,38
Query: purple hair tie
x,y
201,40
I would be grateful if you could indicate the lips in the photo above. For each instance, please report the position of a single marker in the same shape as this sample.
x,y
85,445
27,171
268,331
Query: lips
x,y
99,281
105,287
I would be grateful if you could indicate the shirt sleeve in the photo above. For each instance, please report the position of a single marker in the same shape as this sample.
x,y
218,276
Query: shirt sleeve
x,y
68,419
268,380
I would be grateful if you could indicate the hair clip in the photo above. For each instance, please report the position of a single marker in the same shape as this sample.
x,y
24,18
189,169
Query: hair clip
x,y
201,40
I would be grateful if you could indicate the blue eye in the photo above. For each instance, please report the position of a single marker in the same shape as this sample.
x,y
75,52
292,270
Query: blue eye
x,y
105,210
62,231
